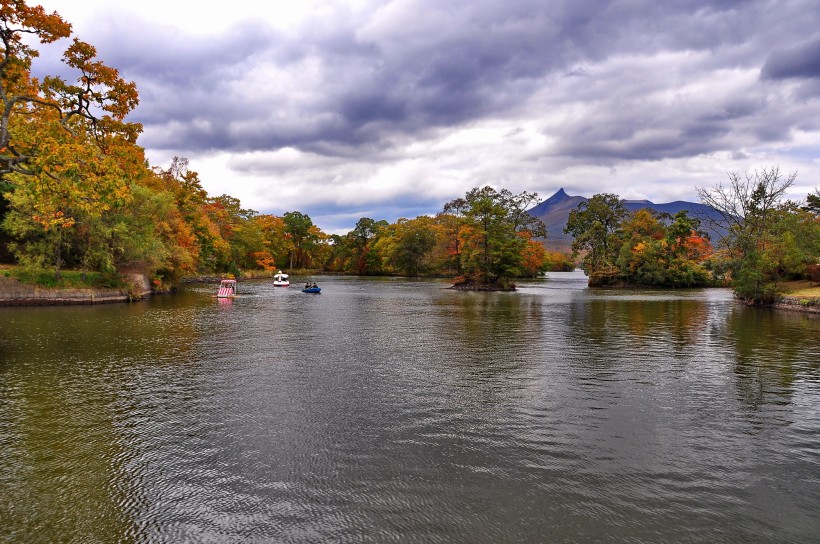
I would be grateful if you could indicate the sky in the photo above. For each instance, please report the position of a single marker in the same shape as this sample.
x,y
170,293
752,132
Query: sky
x,y
388,109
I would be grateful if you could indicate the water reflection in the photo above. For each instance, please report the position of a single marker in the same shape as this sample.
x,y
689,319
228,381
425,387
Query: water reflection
x,y
392,410
772,350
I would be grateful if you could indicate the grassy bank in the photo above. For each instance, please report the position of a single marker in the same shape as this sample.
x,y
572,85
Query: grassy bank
x,y
803,289
68,279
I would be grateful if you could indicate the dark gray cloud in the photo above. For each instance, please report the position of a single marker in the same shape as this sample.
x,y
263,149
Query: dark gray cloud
x,y
801,61
406,68
408,73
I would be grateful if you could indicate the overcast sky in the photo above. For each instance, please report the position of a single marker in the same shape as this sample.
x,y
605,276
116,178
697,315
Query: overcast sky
x,y
387,109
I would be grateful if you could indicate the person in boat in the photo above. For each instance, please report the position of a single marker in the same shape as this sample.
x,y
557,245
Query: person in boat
x,y
307,285
314,286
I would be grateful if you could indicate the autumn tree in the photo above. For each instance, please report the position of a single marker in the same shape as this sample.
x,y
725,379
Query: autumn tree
x,y
340,254
361,240
534,258
555,261
660,250
406,245
769,239
140,237
65,148
448,224
274,248
205,217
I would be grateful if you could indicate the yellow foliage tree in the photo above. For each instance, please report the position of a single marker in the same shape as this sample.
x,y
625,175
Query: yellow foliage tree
x,y
65,148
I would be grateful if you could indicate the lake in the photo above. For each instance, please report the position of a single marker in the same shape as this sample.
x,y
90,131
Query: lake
x,y
395,410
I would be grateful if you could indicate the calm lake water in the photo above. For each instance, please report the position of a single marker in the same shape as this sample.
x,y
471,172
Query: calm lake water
x,y
391,410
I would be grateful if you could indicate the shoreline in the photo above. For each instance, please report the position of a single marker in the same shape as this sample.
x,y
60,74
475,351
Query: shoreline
x,y
796,304
15,293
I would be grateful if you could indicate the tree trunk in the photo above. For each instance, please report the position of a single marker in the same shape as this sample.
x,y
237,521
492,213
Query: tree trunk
x,y
58,256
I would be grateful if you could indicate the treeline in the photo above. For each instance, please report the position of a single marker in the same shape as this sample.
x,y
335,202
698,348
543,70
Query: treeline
x,y
168,227
486,238
768,241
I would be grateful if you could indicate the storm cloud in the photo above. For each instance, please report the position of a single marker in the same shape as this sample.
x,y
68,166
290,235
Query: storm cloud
x,y
397,106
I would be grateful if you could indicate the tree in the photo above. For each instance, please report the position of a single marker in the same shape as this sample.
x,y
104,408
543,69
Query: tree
x,y
653,252
415,242
813,203
745,206
449,223
298,228
406,244
594,225
555,261
5,206
535,259
97,104
207,218
360,240
493,235
768,240
274,251
340,255
65,149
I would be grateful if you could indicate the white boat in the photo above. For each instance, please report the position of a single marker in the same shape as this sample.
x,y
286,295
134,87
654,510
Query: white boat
x,y
280,279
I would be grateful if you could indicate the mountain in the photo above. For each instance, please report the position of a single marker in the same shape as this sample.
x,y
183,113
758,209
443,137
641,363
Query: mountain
x,y
554,212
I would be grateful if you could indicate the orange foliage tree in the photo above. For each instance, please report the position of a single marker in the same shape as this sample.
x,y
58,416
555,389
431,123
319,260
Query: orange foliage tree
x,y
65,148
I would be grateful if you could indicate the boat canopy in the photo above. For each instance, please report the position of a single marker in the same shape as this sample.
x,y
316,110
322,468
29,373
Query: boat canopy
x,y
227,288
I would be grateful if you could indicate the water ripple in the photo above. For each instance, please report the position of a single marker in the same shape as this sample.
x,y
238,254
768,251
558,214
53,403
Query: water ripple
x,y
398,411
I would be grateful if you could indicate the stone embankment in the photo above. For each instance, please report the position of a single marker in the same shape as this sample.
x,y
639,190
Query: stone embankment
x,y
799,304
14,293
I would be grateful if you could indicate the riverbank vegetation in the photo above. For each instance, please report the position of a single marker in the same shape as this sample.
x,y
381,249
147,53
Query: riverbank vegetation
x,y
643,248
69,279
769,241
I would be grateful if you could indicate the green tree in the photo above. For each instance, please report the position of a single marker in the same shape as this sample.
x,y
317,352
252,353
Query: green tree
x,y
341,253
406,245
360,240
5,206
298,228
813,203
594,225
65,148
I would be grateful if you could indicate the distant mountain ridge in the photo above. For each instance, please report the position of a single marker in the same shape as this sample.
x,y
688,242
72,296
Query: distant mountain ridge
x,y
554,212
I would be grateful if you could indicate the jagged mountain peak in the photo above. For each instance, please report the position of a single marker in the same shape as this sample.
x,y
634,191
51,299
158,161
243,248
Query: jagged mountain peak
x,y
560,200
559,195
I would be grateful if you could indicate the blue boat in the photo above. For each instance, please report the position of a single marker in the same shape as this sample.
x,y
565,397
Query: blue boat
x,y
312,290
